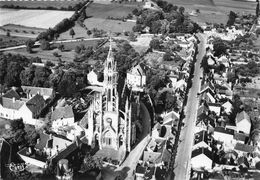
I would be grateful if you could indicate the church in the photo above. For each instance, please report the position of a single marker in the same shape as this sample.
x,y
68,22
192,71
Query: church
x,y
105,124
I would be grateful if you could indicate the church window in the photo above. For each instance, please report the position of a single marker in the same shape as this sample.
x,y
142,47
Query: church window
x,y
109,95
109,65
109,141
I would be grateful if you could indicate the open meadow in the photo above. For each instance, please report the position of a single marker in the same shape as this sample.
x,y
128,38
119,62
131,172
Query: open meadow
x,y
40,4
33,18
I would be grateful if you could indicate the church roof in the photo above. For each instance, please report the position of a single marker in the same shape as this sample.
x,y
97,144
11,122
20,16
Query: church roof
x,y
62,112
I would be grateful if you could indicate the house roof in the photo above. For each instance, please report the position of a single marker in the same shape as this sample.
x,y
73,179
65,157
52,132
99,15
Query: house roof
x,y
240,137
203,109
36,103
140,169
200,151
224,130
244,147
206,86
12,94
241,116
242,160
56,141
38,90
62,112
201,136
140,68
11,103
206,119
214,104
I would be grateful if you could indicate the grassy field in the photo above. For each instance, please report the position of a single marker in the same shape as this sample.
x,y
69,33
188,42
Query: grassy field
x,y
109,25
33,18
42,4
6,41
67,55
105,10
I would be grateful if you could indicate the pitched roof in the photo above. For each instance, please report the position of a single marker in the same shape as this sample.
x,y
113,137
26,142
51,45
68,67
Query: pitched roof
x,y
201,136
11,94
244,147
38,90
42,141
36,104
224,130
206,119
203,109
200,151
241,116
11,104
62,112
240,137
139,68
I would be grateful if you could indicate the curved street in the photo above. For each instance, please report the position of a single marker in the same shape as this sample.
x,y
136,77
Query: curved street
x,y
182,164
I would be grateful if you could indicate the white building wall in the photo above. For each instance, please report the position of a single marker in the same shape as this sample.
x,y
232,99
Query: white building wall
x,y
201,161
33,161
244,126
26,115
226,138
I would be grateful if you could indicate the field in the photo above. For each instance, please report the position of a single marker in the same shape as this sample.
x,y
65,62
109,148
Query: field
x,y
214,11
6,41
33,18
109,25
42,4
114,10
67,55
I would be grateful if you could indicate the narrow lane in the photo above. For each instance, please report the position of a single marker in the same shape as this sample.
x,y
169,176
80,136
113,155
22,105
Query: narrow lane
x,y
182,162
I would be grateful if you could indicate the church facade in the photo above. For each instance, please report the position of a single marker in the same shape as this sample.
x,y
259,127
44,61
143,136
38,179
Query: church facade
x,y
105,124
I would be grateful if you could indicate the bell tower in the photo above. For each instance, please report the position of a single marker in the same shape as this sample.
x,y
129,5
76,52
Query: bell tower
x,y
110,82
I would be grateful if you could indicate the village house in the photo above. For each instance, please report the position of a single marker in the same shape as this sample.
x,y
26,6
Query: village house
x,y
201,140
243,122
201,159
12,106
49,148
136,78
224,135
31,110
62,116
46,93
215,107
227,107
93,78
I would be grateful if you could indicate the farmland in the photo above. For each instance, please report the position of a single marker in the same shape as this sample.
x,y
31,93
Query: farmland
x,y
6,41
33,18
40,4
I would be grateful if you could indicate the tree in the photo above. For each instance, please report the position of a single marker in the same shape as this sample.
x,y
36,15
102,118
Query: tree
x,y
56,35
156,27
219,47
257,9
155,44
132,36
61,47
72,32
167,57
181,9
91,163
137,28
45,45
136,12
29,45
41,77
77,49
89,32
13,74
27,76
231,18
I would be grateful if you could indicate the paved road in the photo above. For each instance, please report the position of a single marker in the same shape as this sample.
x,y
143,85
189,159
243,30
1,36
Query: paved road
x,y
182,161
129,165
